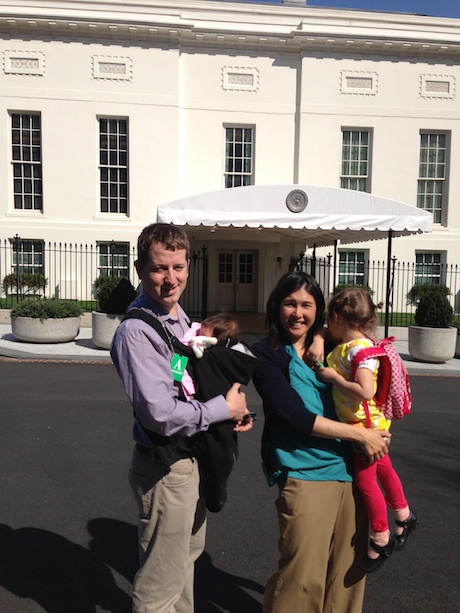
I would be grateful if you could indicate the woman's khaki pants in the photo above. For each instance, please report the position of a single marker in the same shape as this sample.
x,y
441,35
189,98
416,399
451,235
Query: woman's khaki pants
x,y
323,535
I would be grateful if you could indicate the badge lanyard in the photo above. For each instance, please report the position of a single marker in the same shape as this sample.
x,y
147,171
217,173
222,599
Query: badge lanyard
x,y
178,362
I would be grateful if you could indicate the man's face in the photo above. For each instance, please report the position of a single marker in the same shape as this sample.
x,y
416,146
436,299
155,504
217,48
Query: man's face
x,y
164,276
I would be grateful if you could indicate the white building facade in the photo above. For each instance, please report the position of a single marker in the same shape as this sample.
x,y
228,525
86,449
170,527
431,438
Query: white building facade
x,y
109,109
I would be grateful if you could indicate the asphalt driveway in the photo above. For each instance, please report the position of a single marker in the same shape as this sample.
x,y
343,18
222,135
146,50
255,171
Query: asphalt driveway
x,y
67,521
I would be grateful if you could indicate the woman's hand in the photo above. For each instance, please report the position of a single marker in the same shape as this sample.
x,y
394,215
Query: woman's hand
x,y
315,351
329,375
374,443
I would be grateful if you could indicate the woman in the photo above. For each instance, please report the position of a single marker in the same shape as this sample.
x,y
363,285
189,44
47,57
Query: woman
x,y
323,527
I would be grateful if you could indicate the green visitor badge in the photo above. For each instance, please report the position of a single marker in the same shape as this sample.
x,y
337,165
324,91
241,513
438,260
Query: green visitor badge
x,y
178,366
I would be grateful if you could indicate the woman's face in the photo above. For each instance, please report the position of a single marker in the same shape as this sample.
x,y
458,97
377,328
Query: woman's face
x,y
298,314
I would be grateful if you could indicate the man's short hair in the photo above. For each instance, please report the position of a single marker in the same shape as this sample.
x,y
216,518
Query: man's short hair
x,y
169,236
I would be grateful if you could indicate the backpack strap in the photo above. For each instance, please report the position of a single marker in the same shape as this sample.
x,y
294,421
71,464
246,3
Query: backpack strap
x,y
367,413
173,342
169,449
148,319
384,374
364,354
358,358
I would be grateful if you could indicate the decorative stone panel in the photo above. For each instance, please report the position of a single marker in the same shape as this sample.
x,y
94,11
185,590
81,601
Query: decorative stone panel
x,y
112,68
240,79
30,63
437,86
362,83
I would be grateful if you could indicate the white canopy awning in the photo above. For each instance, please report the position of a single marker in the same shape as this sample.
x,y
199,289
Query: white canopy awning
x,y
316,215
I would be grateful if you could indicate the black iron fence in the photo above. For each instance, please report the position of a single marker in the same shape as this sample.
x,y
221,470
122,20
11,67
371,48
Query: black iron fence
x,y
373,276
68,271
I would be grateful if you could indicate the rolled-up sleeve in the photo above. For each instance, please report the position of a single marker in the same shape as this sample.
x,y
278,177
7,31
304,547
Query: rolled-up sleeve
x,y
143,362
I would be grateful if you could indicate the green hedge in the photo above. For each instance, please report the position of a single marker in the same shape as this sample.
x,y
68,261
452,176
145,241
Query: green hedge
x,y
24,282
47,308
114,294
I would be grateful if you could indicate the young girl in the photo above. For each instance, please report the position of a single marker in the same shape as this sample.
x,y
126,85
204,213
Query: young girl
x,y
351,318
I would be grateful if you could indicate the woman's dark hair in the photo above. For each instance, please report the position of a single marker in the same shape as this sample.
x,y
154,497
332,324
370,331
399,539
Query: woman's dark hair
x,y
288,284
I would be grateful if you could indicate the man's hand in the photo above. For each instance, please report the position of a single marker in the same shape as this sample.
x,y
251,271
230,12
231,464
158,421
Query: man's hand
x,y
244,426
236,401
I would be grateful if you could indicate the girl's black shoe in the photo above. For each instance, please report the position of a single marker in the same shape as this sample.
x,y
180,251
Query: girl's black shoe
x,y
369,565
408,524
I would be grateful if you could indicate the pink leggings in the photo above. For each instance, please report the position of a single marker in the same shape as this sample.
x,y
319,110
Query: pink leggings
x,y
367,478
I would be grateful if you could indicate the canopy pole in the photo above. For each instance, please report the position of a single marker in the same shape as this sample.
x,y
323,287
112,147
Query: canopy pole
x,y
335,264
387,299
313,262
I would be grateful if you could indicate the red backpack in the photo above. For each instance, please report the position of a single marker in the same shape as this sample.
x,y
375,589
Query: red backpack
x,y
393,396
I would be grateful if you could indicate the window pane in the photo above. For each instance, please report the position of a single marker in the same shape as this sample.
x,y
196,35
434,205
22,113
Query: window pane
x,y
113,158
225,268
28,257
428,268
26,152
114,259
352,268
432,173
355,154
238,157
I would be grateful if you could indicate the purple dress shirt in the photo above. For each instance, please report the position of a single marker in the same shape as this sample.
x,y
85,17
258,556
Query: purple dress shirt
x,y
143,361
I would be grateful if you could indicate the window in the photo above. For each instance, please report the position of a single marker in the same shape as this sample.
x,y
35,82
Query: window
x,y
225,268
352,268
113,154
114,259
428,268
239,156
355,160
28,255
246,268
27,161
432,174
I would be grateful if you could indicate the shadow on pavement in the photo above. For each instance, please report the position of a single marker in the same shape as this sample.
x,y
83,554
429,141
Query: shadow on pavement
x,y
57,574
115,542
216,590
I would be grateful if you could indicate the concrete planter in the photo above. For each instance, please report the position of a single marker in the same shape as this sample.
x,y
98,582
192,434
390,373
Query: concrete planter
x,y
104,326
34,330
434,345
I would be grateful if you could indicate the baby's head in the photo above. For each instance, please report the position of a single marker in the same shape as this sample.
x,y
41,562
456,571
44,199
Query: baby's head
x,y
355,309
221,325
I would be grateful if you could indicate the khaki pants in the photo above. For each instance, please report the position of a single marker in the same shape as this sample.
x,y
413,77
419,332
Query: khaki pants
x,y
172,529
323,535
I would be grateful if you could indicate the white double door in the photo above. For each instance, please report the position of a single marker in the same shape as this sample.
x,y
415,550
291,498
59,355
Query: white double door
x,y
237,280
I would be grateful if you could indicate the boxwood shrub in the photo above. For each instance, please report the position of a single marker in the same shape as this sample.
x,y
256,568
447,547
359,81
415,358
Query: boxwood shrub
x,y
47,308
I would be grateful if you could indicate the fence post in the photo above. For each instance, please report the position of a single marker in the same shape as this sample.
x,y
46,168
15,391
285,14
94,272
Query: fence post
x,y
204,288
336,251
387,299
313,262
17,240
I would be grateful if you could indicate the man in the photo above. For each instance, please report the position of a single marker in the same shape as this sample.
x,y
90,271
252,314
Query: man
x,y
164,473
